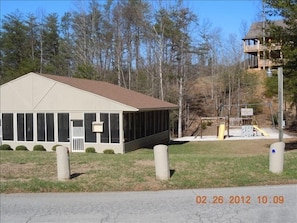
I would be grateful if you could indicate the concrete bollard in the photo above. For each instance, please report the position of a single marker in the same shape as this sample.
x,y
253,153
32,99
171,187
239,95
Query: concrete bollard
x,y
63,164
161,157
276,157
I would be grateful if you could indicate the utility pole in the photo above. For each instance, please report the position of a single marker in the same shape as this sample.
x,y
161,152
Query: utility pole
x,y
280,102
181,89
263,30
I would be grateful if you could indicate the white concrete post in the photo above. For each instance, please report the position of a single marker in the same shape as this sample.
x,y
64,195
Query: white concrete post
x,y
276,157
63,164
161,157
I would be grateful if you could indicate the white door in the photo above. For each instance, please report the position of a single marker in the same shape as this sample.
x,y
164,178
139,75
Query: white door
x,y
77,136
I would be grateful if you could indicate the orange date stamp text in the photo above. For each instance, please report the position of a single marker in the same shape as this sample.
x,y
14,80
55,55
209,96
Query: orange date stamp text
x,y
240,199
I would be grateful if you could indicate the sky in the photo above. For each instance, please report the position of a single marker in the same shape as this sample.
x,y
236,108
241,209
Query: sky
x,y
228,15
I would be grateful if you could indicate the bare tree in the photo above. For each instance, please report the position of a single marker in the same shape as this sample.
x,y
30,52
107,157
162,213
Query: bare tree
x,y
118,42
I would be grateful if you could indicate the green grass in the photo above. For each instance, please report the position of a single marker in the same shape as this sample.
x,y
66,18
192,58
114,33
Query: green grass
x,y
195,165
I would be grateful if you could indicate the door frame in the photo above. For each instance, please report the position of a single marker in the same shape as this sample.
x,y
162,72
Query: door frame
x,y
77,135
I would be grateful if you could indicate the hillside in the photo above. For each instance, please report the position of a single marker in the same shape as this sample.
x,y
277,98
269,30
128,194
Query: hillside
x,y
206,97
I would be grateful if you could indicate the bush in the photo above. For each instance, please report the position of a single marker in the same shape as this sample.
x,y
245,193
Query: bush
x,y
5,147
204,125
54,148
271,86
21,148
108,151
209,123
275,118
90,150
39,148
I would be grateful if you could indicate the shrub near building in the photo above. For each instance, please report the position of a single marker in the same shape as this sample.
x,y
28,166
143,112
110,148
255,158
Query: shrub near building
x,y
90,150
108,151
39,148
21,148
5,147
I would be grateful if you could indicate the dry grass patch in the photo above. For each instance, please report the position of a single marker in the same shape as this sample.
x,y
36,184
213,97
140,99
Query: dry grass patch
x,y
149,163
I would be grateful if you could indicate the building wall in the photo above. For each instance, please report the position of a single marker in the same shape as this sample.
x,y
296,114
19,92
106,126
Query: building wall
x,y
48,144
162,137
45,100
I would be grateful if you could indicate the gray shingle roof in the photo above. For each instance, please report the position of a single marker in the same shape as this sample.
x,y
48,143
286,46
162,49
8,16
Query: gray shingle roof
x,y
256,29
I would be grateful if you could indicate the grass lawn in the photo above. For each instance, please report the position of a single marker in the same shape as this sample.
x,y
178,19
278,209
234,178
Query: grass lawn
x,y
193,164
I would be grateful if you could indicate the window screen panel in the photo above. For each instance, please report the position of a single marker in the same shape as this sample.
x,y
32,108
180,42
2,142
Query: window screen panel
x,y
63,127
29,127
50,130
114,127
90,136
105,134
20,127
40,127
7,126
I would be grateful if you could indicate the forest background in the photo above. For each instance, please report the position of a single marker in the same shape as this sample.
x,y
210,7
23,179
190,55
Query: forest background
x,y
161,52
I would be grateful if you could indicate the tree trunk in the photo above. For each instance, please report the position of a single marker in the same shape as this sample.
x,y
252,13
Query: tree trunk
x,y
180,110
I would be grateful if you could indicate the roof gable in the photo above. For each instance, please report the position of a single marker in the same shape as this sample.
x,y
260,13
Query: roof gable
x,y
33,92
114,92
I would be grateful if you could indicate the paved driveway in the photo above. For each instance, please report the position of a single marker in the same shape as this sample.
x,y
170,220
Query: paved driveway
x,y
241,204
235,134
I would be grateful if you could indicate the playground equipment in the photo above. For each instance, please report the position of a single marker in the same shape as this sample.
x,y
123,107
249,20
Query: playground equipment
x,y
260,130
247,130
250,130
250,125
220,123
221,132
247,123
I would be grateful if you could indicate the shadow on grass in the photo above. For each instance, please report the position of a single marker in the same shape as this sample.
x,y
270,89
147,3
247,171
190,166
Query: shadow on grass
x,y
172,171
177,142
290,146
74,175
151,147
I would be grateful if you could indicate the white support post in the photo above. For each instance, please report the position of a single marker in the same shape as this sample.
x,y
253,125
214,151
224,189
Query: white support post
x,y
161,157
63,164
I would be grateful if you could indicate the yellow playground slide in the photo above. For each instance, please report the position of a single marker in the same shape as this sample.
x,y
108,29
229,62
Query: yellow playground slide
x,y
261,130
221,131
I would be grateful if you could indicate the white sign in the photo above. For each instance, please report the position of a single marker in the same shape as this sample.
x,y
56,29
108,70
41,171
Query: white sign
x,y
97,126
247,112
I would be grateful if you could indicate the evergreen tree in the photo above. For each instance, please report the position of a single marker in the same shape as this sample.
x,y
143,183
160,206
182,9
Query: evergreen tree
x,y
50,44
65,46
288,37
15,47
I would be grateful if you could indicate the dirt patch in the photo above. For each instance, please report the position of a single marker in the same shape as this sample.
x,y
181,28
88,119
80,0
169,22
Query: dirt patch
x,y
84,168
144,163
24,172
150,184
20,171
